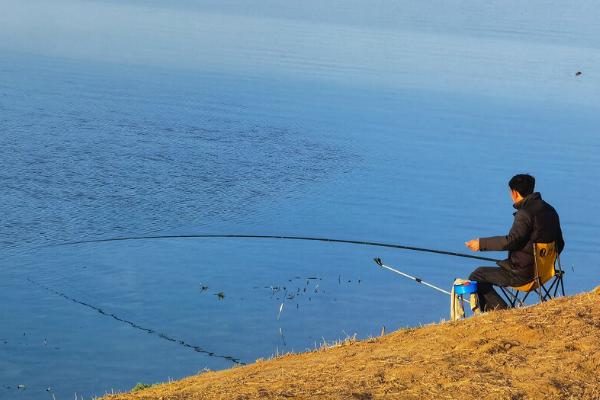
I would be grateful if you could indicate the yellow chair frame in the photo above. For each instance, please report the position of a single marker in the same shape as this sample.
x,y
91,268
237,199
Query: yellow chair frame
x,y
547,267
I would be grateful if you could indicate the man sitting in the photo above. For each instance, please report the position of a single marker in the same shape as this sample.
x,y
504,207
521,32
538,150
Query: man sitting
x,y
535,222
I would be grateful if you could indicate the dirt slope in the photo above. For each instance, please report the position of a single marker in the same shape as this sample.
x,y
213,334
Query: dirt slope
x,y
548,351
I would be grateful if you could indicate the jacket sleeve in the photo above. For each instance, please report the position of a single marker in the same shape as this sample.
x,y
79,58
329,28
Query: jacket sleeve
x,y
516,238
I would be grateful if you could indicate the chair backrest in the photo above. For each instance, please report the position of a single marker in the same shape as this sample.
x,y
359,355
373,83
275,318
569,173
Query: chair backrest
x,y
544,255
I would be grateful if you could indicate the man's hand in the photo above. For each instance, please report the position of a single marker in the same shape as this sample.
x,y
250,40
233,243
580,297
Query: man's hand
x,y
473,244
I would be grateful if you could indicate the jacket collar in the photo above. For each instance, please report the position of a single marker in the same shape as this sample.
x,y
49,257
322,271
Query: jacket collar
x,y
523,203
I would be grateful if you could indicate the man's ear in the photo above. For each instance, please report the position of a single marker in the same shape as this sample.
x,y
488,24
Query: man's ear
x,y
515,195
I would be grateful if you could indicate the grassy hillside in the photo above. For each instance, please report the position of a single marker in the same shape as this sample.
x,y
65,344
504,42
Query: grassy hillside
x,y
547,351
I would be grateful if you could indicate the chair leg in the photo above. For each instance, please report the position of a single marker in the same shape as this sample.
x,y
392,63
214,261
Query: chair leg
x,y
515,300
509,296
554,286
524,298
521,301
546,294
557,284
560,274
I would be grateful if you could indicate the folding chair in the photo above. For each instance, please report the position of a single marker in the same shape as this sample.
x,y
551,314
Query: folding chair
x,y
547,269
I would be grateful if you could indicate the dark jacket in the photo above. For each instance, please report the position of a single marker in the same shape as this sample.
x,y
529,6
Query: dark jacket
x,y
535,222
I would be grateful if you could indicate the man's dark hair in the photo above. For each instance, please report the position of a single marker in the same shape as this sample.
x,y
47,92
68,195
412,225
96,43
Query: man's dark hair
x,y
522,183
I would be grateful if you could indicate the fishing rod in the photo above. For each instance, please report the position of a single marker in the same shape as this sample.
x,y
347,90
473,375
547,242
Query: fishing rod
x,y
414,278
279,237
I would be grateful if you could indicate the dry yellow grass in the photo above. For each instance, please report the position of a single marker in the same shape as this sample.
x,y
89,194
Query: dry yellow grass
x,y
548,351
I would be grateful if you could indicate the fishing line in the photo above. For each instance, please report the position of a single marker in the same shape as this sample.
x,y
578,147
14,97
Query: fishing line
x,y
278,237
161,335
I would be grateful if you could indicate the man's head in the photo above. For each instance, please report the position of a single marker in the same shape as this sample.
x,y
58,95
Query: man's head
x,y
521,186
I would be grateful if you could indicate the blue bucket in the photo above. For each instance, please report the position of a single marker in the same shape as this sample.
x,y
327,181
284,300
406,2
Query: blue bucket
x,y
466,288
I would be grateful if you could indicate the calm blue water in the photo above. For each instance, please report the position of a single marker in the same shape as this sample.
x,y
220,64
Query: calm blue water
x,y
378,121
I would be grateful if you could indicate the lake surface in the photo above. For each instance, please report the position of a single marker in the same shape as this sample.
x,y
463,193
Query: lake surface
x,y
367,121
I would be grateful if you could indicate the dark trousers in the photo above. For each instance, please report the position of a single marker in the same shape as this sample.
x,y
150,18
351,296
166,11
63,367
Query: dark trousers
x,y
486,277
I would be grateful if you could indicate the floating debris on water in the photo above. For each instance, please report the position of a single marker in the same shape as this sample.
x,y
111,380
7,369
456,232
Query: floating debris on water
x,y
282,293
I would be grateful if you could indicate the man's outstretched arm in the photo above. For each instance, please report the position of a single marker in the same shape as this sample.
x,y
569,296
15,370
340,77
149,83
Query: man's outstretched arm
x,y
516,238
